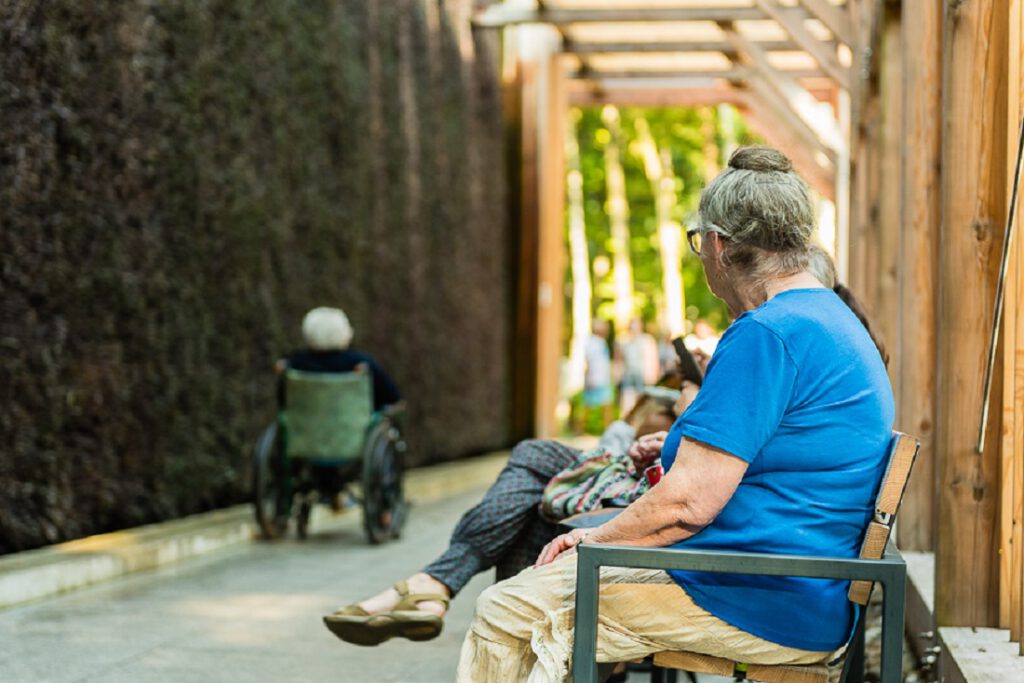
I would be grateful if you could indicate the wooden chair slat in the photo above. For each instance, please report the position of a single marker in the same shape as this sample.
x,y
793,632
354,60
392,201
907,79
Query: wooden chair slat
x,y
872,549
718,666
695,662
897,474
890,494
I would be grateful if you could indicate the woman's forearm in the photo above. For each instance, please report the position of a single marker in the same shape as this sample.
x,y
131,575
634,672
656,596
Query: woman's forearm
x,y
651,521
687,499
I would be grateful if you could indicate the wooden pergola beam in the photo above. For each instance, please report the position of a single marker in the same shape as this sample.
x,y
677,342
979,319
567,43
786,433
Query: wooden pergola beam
x,y
835,19
601,48
730,74
823,53
763,95
498,16
804,107
778,131
632,95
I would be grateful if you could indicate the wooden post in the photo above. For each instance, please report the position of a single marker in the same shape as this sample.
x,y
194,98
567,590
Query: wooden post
x,y
521,131
552,111
973,201
919,244
886,304
1011,577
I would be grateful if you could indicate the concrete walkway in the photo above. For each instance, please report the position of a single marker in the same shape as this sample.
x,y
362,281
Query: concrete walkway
x,y
252,613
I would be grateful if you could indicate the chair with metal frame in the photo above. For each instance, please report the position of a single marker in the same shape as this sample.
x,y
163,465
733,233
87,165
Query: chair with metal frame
x,y
879,561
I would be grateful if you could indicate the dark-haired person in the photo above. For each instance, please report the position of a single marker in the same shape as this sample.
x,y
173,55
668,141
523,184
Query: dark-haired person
x,y
781,451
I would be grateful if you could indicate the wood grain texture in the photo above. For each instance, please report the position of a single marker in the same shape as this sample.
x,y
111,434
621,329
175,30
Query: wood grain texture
x,y
718,666
872,549
915,343
1011,579
895,481
973,214
889,221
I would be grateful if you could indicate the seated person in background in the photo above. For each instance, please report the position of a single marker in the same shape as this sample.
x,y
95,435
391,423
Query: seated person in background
x,y
328,334
781,451
505,530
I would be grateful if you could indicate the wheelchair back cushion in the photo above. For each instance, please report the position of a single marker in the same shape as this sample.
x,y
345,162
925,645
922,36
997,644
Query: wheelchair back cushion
x,y
327,414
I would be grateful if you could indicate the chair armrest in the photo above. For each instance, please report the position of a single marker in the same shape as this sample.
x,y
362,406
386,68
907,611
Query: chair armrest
x,y
890,571
730,562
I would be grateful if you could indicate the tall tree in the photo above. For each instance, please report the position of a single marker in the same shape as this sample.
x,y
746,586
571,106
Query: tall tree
x,y
579,261
618,214
658,167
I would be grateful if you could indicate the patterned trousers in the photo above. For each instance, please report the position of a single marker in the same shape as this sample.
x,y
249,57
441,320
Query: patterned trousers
x,y
505,530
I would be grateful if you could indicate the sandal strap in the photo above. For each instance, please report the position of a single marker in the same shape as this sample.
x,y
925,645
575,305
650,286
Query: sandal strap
x,y
408,601
350,611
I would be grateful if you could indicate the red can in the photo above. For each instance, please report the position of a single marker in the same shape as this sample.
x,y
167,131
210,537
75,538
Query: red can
x,y
654,473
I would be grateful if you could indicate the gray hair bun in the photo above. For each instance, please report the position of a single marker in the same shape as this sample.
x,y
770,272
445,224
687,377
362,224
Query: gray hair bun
x,y
759,201
760,159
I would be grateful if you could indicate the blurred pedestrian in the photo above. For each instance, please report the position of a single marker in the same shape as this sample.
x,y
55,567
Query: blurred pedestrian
x,y
597,381
639,364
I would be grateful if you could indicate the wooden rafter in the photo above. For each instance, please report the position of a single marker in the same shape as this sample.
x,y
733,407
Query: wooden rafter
x,y
631,94
731,74
781,108
798,100
823,53
497,16
835,19
597,48
777,130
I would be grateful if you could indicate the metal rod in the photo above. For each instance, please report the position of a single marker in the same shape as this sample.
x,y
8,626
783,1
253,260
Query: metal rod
x,y
584,658
894,589
997,313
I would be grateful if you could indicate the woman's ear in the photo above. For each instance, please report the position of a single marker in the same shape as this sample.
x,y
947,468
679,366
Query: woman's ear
x,y
719,252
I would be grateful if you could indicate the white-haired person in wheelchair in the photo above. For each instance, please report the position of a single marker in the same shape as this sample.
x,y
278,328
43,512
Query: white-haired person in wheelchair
x,y
328,336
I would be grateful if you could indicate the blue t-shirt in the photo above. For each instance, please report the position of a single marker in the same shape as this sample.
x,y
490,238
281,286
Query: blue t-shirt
x,y
797,389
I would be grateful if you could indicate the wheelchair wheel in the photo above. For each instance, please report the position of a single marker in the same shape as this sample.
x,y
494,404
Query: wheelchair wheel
x,y
269,483
384,505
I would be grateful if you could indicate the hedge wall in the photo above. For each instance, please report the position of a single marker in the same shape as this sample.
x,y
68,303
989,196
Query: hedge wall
x,y
179,182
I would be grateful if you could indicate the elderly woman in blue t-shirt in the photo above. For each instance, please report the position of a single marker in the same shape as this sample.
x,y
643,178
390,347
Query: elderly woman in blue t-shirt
x,y
782,451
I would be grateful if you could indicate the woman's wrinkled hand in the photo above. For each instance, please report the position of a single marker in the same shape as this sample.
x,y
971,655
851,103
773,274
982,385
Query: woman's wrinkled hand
x,y
562,544
647,449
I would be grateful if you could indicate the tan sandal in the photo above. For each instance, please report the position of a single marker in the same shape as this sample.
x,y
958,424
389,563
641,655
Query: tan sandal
x,y
355,625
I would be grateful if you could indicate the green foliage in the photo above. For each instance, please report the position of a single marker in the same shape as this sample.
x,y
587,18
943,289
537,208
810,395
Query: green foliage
x,y
678,130
180,182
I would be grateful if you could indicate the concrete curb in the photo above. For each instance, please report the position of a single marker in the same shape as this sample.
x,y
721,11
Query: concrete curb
x,y
36,574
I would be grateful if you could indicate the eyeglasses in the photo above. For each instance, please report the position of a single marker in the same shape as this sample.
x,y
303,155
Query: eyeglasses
x,y
695,236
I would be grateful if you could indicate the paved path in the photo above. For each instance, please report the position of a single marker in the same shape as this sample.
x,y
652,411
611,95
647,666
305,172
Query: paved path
x,y
247,615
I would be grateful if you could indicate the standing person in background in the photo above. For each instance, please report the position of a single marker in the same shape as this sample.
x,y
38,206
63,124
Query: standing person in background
x,y
597,382
639,364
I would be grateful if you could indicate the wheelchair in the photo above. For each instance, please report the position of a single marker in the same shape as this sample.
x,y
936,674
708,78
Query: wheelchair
x,y
326,438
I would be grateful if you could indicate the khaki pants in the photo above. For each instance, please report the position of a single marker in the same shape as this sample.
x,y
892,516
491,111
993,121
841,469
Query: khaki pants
x,y
523,627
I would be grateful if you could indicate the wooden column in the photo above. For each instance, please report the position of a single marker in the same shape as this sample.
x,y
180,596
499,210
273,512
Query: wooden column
x,y
973,210
520,96
1011,578
889,221
919,244
552,111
